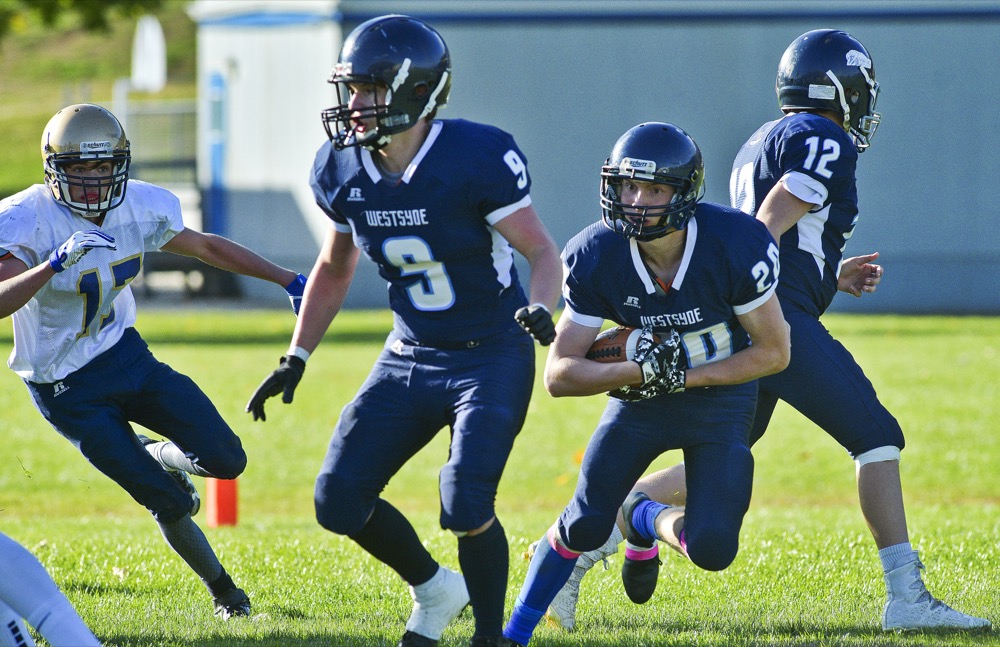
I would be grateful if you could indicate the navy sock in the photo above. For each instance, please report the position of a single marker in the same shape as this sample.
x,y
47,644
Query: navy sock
x,y
547,574
390,538
485,559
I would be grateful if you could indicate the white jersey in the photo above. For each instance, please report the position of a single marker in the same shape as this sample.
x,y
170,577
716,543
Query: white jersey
x,y
82,311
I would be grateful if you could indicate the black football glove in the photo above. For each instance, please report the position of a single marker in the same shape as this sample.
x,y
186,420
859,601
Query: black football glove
x,y
659,365
283,380
633,393
658,361
537,321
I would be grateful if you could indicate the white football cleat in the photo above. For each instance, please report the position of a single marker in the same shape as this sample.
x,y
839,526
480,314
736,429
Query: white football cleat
x,y
562,611
911,606
438,602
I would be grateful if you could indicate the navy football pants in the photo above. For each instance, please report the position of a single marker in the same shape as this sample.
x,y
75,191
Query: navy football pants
x,y
413,392
710,426
826,385
93,406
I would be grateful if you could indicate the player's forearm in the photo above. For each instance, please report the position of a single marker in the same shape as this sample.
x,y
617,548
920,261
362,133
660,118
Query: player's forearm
x,y
752,363
576,376
16,291
233,257
323,299
546,279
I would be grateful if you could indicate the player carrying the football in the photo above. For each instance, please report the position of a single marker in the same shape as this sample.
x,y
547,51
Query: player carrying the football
x,y
660,255
797,175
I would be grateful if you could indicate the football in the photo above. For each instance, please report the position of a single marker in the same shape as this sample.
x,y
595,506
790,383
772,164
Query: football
x,y
616,345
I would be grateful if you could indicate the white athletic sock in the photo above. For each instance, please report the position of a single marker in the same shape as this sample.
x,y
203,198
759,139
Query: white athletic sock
x,y
13,633
895,556
27,588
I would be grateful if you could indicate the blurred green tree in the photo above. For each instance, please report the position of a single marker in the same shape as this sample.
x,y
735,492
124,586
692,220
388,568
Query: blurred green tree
x,y
93,14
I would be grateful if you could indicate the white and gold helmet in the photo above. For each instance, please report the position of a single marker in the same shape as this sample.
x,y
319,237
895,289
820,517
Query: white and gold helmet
x,y
86,132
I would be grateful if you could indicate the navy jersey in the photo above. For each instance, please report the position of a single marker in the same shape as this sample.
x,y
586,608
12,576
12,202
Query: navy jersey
x,y
816,159
729,267
451,274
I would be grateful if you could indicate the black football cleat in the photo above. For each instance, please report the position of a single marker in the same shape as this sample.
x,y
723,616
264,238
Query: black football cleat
x,y
641,567
234,604
411,639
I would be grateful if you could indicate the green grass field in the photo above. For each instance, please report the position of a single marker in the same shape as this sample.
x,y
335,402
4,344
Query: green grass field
x,y
807,573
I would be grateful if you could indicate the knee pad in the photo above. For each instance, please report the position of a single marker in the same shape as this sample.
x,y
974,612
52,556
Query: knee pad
x,y
586,534
878,455
228,463
174,511
712,549
339,508
557,544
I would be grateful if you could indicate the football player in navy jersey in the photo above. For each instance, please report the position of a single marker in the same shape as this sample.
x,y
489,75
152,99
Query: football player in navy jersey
x,y
797,175
69,249
702,278
440,206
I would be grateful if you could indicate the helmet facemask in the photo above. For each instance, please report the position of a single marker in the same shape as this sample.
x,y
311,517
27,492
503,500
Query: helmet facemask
x,y
868,120
112,186
630,220
341,122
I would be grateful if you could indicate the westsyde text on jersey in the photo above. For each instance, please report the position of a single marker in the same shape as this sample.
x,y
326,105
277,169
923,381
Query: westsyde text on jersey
x,y
397,218
685,318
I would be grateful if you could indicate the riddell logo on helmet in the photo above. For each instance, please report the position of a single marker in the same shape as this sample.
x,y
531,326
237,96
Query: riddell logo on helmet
x,y
95,148
637,165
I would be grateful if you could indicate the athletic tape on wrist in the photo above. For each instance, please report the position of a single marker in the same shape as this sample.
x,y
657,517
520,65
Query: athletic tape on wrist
x,y
298,351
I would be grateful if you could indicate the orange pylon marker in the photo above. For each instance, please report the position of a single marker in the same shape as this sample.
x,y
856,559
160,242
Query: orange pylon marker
x,y
222,502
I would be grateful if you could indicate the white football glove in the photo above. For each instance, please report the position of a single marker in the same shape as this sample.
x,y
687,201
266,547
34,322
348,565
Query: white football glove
x,y
70,252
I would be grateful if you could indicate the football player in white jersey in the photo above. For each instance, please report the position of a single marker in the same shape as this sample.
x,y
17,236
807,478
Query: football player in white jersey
x,y
68,250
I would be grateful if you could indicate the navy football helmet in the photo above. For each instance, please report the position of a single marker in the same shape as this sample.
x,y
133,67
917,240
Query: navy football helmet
x,y
652,152
828,69
86,133
402,54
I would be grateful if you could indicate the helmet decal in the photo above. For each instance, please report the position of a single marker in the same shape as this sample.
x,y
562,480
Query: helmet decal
x,y
857,59
95,149
404,71
824,92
